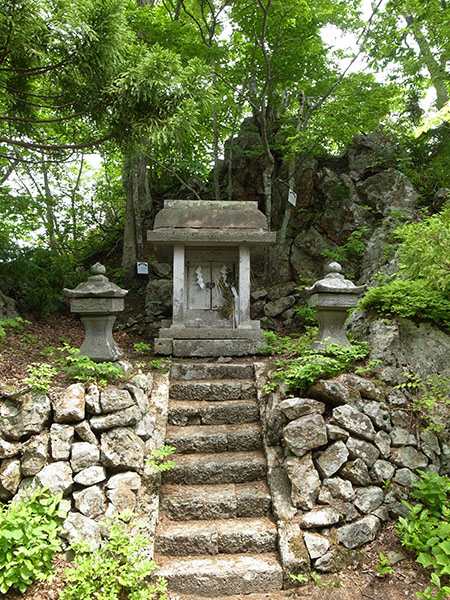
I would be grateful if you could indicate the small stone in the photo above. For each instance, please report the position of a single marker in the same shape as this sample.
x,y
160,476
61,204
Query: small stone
x,y
348,512
382,471
379,414
8,449
272,309
383,443
325,496
57,477
90,501
27,417
366,387
305,481
90,476
139,396
400,418
405,477
128,480
70,406
77,527
363,450
34,454
382,513
361,532
340,489
145,426
122,449
61,438
402,437
354,421
369,498
85,432
332,459
334,392
328,563
294,408
121,418
317,545
84,455
113,399
122,499
356,471
305,433
320,517
429,443
92,400
396,398
409,457
10,475
336,433
144,382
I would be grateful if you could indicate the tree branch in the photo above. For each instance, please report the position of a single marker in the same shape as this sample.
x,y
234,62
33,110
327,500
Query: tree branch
x,y
51,147
53,120
172,172
23,72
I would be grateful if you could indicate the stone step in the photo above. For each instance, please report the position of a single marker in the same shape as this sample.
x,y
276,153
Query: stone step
x,y
226,389
222,575
189,371
223,501
223,467
214,438
183,412
229,536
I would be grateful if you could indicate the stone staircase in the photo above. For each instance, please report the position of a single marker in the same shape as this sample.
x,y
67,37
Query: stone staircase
x,y
215,536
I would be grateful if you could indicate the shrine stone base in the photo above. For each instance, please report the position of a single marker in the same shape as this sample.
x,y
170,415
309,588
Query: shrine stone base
x,y
210,341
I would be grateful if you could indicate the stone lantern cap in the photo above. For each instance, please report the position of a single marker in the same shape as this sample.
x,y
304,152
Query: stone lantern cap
x,y
97,286
335,282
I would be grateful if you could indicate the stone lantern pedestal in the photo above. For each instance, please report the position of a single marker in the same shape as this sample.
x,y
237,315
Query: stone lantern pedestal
x,y
97,300
332,298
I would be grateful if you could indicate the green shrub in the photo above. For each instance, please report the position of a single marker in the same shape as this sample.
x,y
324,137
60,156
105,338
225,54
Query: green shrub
x,y
83,368
425,251
276,345
28,539
412,299
304,370
40,376
426,530
306,315
113,572
16,323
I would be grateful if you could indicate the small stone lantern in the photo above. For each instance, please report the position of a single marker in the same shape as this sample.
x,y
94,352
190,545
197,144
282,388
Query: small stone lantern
x,y
97,300
331,298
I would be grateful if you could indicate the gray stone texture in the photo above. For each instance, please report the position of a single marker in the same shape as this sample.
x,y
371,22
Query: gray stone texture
x,y
83,455
320,517
27,417
364,450
354,421
90,501
369,498
90,476
305,433
70,405
120,418
114,399
361,532
61,438
57,477
122,449
305,481
34,454
332,459
333,392
408,457
317,545
78,527
10,475
294,408
356,471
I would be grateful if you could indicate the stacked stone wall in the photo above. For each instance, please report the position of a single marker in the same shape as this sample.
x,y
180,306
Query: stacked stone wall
x,y
89,444
341,460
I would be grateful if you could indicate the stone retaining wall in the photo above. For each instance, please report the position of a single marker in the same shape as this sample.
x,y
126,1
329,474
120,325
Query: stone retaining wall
x,y
89,444
341,460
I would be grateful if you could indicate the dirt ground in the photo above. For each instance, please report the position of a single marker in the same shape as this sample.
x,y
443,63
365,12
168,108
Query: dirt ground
x,y
359,582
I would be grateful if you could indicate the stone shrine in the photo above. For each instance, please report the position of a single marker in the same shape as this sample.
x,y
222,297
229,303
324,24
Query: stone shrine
x,y
210,244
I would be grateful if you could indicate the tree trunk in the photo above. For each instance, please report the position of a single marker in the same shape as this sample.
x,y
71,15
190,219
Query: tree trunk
x,y
138,202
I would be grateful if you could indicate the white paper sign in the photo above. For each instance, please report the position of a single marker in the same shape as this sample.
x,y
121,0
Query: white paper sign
x,y
292,198
142,268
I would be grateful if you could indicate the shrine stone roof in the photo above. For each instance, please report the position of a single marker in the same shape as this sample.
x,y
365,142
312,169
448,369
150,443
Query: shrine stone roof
x,y
205,222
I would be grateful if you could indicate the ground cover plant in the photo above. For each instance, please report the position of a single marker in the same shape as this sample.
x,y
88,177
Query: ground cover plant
x,y
426,531
29,539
